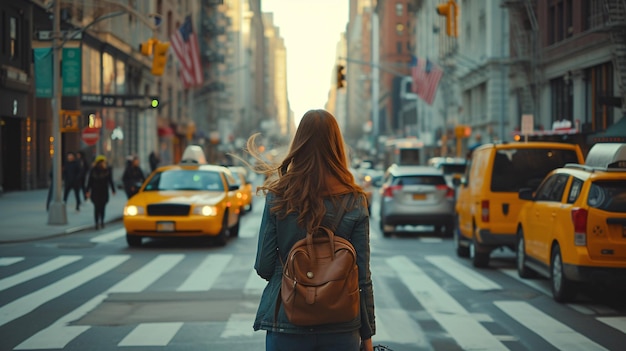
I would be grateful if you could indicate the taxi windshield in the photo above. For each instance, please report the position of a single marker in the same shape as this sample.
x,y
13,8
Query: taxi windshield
x,y
186,180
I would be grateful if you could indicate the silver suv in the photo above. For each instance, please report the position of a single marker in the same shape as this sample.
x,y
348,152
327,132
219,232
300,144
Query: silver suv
x,y
416,195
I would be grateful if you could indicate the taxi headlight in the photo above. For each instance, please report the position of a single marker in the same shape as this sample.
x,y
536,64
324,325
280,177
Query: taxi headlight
x,y
205,210
368,178
133,210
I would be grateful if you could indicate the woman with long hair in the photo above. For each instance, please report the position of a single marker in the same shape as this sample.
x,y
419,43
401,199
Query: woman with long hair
x,y
302,191
98,184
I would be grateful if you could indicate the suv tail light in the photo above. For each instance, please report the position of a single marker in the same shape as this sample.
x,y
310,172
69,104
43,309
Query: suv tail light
x,y
579,219
484,210
390,190
449,191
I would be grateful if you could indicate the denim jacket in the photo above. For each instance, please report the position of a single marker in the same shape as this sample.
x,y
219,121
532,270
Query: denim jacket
x,y
277,236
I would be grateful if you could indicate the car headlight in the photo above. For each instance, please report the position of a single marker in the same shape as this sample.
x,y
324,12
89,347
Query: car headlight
x,y
133,210
205,210
367,178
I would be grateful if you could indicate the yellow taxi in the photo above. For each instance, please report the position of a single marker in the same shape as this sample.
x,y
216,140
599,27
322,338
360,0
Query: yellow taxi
x,y
572,229
245,187
191,199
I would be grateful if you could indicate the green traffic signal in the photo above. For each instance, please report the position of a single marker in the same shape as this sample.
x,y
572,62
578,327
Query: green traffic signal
x,y
154,103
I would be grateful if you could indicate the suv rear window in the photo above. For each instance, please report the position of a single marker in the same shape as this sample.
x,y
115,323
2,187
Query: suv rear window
x,y
514,169
419,180
608,195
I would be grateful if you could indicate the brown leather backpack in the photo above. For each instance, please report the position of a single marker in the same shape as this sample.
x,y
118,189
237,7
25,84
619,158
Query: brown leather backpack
x,y
320,283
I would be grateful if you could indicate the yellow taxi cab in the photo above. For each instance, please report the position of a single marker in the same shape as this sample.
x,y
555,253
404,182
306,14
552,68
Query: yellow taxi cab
x,y
245,187
191,199
572,230
487,203
365,182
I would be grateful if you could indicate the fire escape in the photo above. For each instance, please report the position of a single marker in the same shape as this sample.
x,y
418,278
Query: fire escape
x,y
526,54
615,16
211,47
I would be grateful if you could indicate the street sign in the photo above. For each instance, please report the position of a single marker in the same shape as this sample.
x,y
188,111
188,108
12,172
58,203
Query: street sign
x,y
527,124
90,135
121,101
69,120
72,71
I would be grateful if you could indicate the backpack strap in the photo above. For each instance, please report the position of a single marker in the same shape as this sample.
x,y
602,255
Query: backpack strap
x,y
341,212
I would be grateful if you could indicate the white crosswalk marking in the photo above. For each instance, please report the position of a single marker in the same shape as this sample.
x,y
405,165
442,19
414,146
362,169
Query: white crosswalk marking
x,y
255,284
455,319
37,271
30,302
60,333
554,332
471,278
7,261
151,334
530,282
108,237
395,325
239,324
618,323
207,272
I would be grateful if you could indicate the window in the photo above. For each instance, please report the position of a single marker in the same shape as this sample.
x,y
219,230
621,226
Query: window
x,y
560,19
399,9
574,191
562,98
593,15
599,92
399,47
608,195
13,33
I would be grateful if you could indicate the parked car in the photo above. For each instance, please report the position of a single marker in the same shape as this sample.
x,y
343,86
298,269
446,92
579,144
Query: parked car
x,y
453,169
191,199
365,182
416,195
245,185
573,228
487,203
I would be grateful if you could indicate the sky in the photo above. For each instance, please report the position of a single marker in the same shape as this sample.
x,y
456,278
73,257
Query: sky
x,y
311,30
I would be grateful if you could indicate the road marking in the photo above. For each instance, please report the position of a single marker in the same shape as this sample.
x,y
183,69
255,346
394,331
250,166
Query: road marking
x,y
255,284
618,323
7,261
61,333
204,276
238,324
468,277
108,237
552,331
151,334
533,283
37,271
453,317
403,328
30,302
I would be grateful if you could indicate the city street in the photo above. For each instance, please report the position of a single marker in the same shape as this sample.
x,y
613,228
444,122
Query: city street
x,y
89,291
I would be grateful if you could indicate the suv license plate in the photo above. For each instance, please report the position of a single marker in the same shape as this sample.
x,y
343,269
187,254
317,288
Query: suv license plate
x,y
419,196
165,226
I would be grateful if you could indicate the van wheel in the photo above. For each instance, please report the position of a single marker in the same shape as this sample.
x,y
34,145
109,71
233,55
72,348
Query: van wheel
x,y
461,250
480,258
222,238
563,289
522,270
133,240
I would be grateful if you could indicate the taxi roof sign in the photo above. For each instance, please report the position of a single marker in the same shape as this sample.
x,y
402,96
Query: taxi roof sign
x,y
193,154
607,155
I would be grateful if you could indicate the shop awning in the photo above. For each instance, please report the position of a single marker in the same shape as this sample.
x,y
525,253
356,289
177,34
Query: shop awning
x,y
615,133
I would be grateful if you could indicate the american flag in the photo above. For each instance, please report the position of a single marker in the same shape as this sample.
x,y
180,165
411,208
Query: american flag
x,y
429,81
185,45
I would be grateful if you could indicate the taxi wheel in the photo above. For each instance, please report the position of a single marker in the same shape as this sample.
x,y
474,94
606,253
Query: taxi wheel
x,y
133,240
222,238
522,270
234,231
480,258
563,289
461,251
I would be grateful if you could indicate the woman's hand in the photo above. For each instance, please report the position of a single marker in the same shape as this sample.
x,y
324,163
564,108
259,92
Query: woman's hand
x,y
367,345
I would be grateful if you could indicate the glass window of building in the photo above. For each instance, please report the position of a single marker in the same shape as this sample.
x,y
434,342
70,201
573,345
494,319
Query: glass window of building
x,y
92,68
399,9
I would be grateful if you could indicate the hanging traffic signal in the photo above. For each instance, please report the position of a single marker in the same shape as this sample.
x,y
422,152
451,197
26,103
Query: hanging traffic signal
x,y
451,11
154,102
159,59
341,76
146,47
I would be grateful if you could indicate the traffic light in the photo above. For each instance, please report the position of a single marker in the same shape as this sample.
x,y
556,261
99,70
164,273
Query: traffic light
x,y
341,76
146,47
154,102
451,11
159,58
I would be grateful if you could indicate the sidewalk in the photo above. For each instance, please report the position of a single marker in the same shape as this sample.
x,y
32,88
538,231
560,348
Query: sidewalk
x,y
23,215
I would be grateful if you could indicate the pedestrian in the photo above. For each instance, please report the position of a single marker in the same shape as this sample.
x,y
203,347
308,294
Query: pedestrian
x,y
80,156
303,191
154,160
133,177
71,178
49,199
98,183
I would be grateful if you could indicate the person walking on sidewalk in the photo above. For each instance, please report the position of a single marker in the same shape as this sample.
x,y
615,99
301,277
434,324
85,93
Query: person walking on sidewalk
x,y
71,176
82,159
98,183
133,177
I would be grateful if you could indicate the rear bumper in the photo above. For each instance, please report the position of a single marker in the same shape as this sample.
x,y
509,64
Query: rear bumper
x,y
487,238
589,274
412,219
183,226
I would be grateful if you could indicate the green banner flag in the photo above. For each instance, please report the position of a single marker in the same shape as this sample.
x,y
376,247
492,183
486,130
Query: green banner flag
x,y
71,71
43,72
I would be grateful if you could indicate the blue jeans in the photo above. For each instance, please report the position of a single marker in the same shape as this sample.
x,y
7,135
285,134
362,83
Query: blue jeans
x,y
350,341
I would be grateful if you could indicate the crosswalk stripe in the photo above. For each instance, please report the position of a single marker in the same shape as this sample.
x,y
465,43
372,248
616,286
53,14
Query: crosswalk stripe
x,y
404,329
530,282
108,237
30,302
468,277
239,324
37,271
618,323
7,261
151,334
453,317
204,276
554,332
60,333
255,284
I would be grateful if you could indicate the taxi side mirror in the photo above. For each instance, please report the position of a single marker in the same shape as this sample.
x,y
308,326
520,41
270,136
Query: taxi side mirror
x,y
526,194
233,187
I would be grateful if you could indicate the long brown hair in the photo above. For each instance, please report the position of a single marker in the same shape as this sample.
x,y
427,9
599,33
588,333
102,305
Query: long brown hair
x,y
315,165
